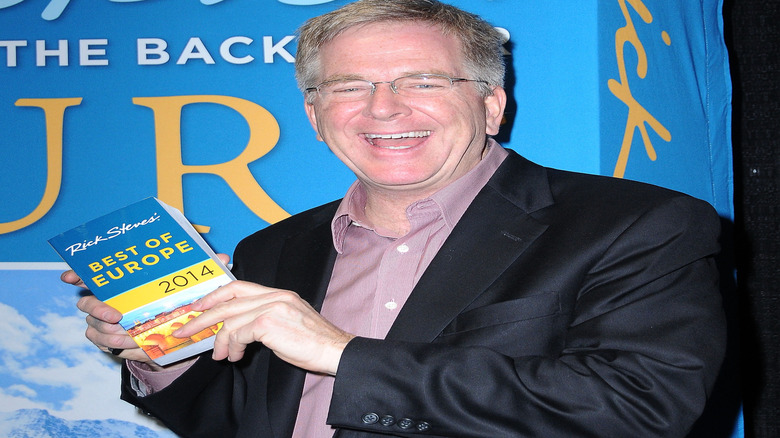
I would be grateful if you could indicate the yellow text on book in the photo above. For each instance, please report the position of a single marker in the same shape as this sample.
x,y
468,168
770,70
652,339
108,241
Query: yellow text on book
x,y
135,265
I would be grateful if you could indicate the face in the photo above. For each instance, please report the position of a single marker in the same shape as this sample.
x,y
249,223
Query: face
x,y
437,139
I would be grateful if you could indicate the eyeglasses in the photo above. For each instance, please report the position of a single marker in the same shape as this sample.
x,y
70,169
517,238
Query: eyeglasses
x,y
422,85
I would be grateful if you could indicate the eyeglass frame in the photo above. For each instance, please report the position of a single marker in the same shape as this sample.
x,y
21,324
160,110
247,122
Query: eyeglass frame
x,y
392,84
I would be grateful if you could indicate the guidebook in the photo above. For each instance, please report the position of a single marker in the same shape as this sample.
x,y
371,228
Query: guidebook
x,y
147,261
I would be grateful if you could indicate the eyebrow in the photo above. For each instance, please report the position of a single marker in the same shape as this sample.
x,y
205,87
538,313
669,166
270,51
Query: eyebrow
x,y
350,77
345,77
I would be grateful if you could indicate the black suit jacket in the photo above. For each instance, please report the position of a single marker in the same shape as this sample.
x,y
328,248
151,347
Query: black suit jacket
x,y
562,305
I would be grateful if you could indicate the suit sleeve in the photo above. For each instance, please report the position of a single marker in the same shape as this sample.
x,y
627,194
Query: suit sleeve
x,y
642,348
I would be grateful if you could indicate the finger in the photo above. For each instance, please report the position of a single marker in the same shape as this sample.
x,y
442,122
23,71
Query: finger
x,y
91,305
105,327
134,354
104,334
196,325
230,300
219,295
215,315
240,330
105,340
238,340
224,258
107,336
70,277
249,327
235,289
123,343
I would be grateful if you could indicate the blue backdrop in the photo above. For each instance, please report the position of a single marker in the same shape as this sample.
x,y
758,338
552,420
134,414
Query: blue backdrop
x,y
104,103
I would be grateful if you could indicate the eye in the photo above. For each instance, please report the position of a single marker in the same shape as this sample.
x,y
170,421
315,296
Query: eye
x,y
347,87
424,83
345,90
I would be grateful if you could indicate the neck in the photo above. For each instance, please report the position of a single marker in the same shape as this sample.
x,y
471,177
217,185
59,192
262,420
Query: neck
x,y
388,211
386,208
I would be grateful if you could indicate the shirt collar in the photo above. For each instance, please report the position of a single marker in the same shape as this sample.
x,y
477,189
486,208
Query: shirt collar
x,y
453,200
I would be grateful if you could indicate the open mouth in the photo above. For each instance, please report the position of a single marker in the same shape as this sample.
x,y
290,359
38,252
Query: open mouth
x,y
400,140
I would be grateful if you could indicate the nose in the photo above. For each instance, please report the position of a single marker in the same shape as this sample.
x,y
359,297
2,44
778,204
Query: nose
x,y
384,103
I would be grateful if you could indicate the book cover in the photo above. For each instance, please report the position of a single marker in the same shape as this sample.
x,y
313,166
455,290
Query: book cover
x,y
147,261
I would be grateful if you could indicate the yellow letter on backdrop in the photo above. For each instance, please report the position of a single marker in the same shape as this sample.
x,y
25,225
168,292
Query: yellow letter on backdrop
x,y
637,114
54,110
263,135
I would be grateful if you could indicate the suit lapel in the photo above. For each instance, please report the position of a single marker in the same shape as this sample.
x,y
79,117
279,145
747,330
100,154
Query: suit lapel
x,y
305,264
497,227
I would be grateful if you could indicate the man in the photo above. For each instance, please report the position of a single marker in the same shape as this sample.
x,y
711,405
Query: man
x,y
457,289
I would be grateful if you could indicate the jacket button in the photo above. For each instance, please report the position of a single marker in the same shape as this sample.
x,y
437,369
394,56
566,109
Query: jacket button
x,y
370,418
423,426
387,420
405,423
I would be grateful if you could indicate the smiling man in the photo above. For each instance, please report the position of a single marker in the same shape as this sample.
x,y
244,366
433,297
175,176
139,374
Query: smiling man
x,y
412,135
457,290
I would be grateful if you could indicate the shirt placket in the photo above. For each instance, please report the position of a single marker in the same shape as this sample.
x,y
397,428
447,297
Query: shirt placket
x,y
400,266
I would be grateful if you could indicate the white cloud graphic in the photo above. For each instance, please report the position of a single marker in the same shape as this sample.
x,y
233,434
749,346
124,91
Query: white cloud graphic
x,y
18,397
23,390
18,332
52,352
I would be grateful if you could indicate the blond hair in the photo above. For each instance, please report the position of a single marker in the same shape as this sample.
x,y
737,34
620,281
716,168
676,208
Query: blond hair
x,y
480,41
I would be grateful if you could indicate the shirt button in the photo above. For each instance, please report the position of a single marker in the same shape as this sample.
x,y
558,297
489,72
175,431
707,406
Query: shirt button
x,y
403,248
405,423
370,418
391,305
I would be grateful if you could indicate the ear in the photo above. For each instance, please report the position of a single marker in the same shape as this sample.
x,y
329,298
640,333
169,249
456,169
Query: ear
x,y
311,113
494,110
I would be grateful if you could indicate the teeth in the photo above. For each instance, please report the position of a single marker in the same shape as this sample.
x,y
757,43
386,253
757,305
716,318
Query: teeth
x,y
399,135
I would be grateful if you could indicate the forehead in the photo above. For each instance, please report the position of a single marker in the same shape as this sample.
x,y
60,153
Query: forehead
x,y
380,49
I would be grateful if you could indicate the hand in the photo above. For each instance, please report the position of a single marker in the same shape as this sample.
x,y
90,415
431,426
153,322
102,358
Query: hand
x,y
104,331
103,327
280,319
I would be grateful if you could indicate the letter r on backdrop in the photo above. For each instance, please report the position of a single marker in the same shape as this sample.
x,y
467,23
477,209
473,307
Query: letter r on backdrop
x,y
263,135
